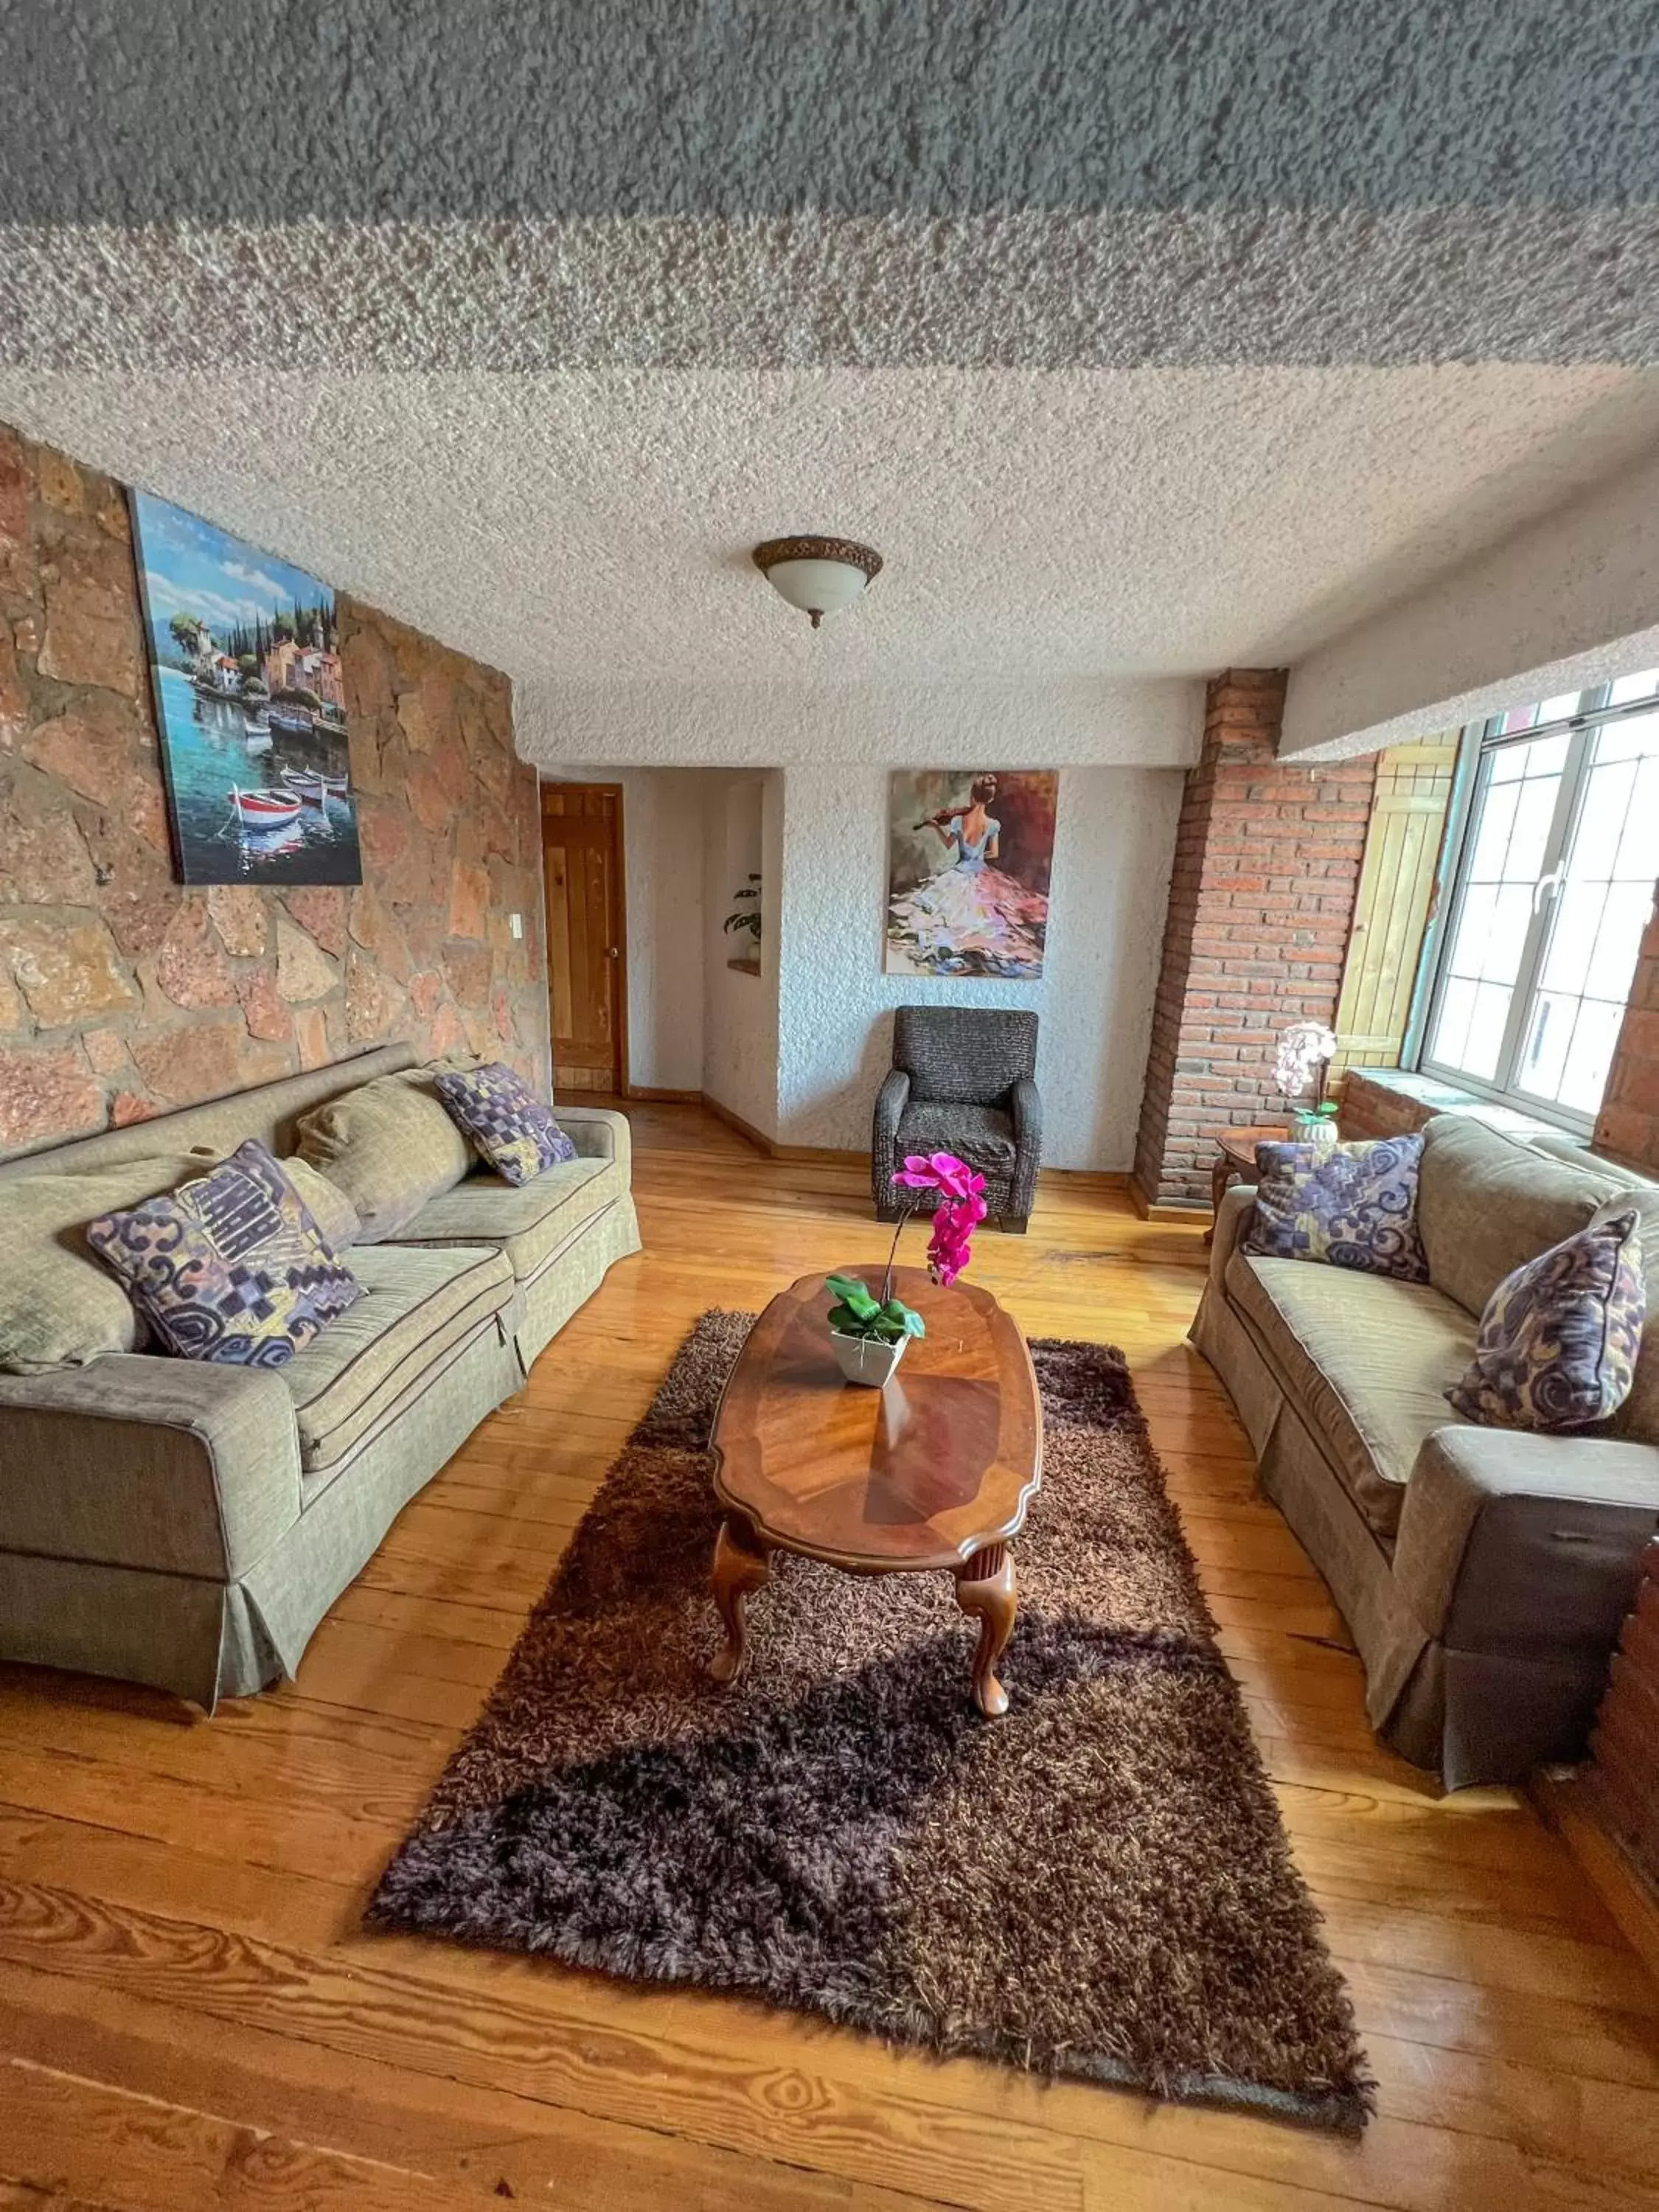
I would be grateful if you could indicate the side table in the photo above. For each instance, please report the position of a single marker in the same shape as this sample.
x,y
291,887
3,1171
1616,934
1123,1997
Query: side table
x,y
1235,1156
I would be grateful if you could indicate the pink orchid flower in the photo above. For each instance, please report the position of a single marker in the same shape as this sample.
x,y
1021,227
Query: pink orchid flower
x,y
944,1172
960,1207
951,1245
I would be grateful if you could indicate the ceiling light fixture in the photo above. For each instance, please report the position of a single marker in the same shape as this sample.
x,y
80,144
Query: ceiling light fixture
x,y
817,575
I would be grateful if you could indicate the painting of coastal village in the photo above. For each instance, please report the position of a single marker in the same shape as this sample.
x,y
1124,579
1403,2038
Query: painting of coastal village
x,y
245,662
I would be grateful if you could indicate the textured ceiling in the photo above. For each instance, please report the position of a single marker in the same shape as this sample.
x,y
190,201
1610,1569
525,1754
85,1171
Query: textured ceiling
x,y
1141,337
595,527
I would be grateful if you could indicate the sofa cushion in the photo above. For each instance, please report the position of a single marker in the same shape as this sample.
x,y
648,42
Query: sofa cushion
x,y
1556,1346
389,1146
1367,1361
531,1222
329,1206
230,1267
416,1308
58,1307
1343,1206
1486,1205
515,1133
981,1135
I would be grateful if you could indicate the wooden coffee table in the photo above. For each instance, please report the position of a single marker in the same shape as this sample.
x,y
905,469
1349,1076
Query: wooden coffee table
x,y
932,1473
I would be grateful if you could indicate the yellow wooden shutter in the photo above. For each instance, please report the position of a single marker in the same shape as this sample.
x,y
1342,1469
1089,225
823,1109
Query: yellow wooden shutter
x,y
1396,883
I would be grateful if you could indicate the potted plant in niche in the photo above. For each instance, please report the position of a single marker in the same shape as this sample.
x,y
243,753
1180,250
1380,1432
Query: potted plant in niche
x,y
746,922
868,1330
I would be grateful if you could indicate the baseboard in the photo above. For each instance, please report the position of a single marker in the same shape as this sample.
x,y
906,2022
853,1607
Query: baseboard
x,y
1564,1799
724,1113
1076,1179
1084,1179
653,1094
1156,1209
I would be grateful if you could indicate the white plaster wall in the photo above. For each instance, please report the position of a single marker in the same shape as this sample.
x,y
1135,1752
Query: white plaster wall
x,y
663,835
740,1013
1560,606
1114,847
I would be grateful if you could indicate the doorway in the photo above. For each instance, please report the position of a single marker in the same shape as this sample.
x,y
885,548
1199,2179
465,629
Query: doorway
x,y
587,962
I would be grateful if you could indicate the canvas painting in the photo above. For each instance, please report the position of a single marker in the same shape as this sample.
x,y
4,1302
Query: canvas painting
x,y
970,856
250,705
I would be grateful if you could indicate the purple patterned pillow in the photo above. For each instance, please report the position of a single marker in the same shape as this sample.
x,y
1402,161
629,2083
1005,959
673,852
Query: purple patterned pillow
x,y
505,1120
231,1268
1350,1206
1560,1337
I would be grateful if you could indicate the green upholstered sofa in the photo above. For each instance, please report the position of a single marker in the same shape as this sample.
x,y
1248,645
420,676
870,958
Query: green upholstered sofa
x,y
188,1525
1484,1574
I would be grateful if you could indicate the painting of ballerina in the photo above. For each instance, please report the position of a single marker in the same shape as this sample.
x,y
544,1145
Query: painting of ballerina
x,y
970,852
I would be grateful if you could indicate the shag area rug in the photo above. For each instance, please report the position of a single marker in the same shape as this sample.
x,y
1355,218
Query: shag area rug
x,y
1097,1884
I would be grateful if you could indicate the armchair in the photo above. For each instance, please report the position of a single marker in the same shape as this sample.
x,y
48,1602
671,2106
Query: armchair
x,y
962,1081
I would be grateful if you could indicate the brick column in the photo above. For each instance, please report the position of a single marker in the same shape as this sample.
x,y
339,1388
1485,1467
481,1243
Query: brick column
x,y
1266,867
1628,1125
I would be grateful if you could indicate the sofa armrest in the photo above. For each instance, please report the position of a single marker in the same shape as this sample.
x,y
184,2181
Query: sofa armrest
x,y
181,1466
599,1132
1516,1543
1232,1219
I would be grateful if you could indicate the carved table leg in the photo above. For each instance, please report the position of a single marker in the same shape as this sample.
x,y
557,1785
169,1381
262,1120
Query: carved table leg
x,y
985,1586
1220,1175
740,1565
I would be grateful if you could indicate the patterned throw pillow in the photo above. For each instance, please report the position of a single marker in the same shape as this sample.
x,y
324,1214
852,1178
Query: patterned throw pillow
x,y
505,1120
1559,1339
231,1268
1350,1206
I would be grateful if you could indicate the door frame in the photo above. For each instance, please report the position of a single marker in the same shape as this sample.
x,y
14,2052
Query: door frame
x,y
562,783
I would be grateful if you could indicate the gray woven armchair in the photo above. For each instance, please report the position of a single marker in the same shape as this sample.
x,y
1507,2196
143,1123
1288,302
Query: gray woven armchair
x,y
962,1082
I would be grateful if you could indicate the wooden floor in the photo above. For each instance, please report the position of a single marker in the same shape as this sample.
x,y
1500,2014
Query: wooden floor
x,y
190,2018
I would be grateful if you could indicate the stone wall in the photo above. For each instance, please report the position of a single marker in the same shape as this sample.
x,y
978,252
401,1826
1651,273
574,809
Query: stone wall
x,y
1628,1127
1266,869
123,994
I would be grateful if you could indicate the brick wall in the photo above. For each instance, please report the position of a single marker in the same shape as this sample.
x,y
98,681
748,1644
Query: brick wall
x,y
121,992
1267,866
1628,1125
1372,1110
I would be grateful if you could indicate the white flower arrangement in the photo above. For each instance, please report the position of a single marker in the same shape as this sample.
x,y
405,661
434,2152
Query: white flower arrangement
x,y
1304,1054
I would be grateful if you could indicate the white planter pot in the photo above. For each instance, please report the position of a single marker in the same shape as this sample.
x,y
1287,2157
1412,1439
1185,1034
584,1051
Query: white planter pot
x,y
863,1359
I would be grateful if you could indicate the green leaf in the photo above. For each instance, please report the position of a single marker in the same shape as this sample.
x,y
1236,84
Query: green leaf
x,y
913,1323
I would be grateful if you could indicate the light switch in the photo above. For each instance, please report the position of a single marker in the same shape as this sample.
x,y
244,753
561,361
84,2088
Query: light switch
x,y
515,923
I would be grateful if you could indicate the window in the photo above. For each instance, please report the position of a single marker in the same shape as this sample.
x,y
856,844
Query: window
x,y
1552,888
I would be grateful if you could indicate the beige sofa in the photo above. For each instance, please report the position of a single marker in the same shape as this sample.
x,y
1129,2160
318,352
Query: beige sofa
x,y
1483,1573
185,1524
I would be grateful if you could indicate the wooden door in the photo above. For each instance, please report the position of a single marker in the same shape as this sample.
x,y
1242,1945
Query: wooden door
x,y
586,979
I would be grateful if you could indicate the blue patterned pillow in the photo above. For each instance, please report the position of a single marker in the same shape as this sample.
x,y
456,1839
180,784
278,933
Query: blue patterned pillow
x,y
1350,1206
231,1268
1559,1339
505,1120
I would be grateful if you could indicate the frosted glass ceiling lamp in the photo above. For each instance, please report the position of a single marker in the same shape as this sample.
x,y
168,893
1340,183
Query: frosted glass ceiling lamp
x,y
817,575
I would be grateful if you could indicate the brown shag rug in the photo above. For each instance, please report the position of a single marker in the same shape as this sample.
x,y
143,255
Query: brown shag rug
x,y
1099,1884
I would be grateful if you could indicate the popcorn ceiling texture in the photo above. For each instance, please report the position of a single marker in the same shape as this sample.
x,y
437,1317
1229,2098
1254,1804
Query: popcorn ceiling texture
x,y
525,108
1143,339
1018,291
122,993
1068,530
1567,603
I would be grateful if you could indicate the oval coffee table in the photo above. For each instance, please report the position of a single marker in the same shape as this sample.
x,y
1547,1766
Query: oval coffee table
x,y
933,1472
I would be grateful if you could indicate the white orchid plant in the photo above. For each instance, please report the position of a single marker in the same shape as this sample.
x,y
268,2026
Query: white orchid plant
x,y
1303,1063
